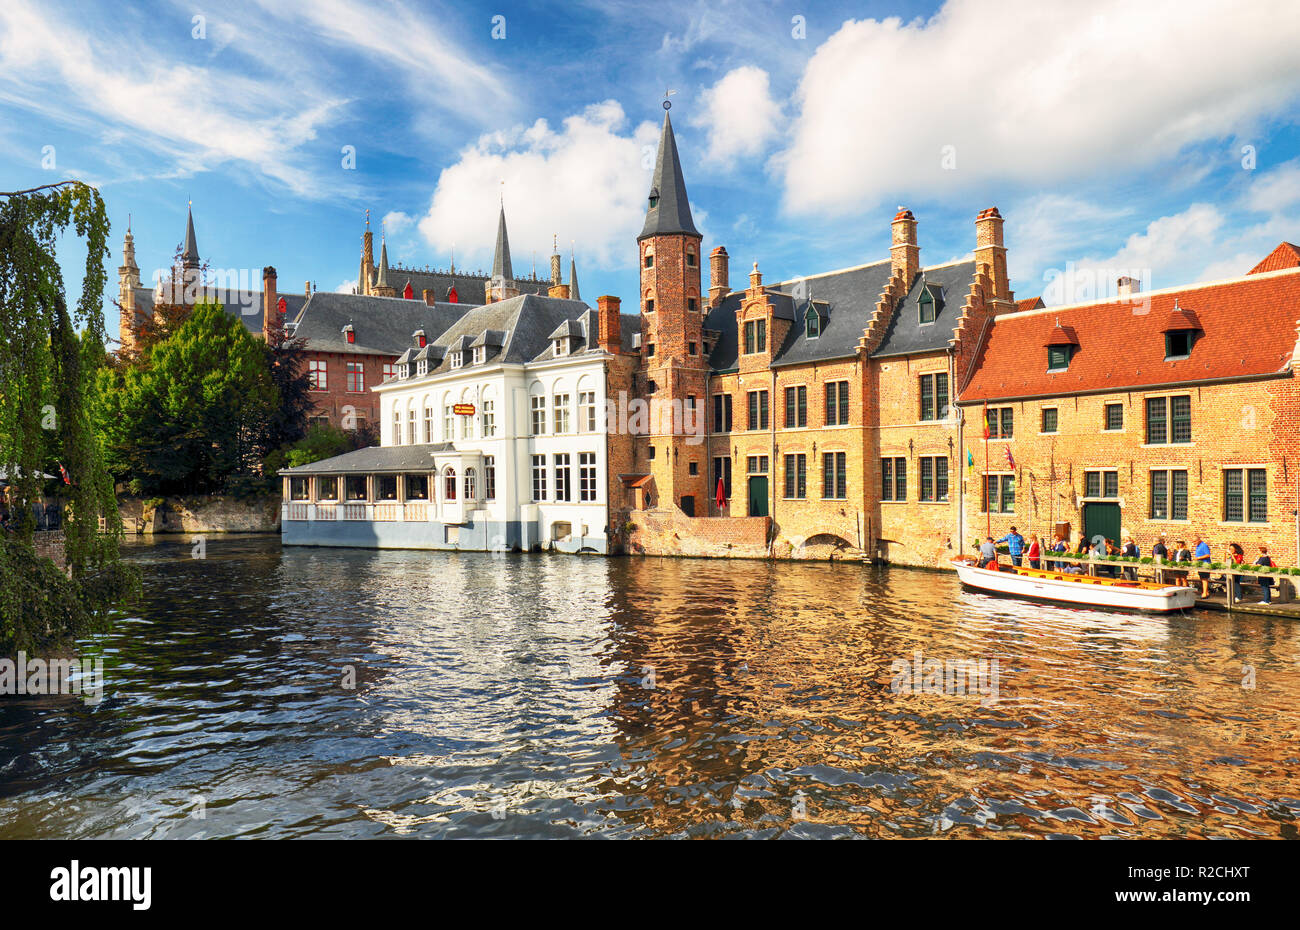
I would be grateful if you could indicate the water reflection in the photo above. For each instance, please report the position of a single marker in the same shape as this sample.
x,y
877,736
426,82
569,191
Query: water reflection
x,y
262,692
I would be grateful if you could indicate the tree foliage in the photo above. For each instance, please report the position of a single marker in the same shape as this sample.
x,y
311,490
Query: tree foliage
x,y
44,373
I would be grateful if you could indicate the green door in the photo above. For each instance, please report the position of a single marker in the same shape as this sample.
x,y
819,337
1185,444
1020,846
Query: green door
x,y
1101,520
758,495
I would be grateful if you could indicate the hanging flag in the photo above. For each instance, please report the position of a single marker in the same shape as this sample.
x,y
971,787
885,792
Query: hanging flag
x,y
1010,461
722,493
970,461
67,479
986,420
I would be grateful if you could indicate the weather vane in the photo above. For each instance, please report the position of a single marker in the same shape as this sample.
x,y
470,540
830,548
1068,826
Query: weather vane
x,y
668,92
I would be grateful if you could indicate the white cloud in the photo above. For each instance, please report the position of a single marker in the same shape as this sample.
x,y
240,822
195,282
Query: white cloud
x,y
1276,189
396,222
738,114
586,182
346,287
1029,91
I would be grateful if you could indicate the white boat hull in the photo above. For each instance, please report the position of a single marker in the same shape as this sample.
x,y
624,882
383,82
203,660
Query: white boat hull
x,y
1077,589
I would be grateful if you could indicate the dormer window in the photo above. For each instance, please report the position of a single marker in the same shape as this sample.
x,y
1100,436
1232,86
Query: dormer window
x,y
419,339
457,359
1180,331
812,324
422,368
1058,357
349,333
560,346
1178,344
480,355
403,371
654,200
1061,346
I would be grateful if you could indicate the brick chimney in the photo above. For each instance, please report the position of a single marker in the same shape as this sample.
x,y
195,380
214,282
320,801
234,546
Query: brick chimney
x,y
1126,286
609,334
991,254
755,280
718,271
270,301
904,253
558,290
306,288
429,297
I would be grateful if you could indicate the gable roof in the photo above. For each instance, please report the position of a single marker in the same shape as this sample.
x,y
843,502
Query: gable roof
x,y
383,325
1285,255
906,334
1249,330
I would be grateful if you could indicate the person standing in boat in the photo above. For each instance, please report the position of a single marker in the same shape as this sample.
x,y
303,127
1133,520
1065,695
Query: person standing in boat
x,y
1265,584
1033,552
1130,551
1015,545
988,552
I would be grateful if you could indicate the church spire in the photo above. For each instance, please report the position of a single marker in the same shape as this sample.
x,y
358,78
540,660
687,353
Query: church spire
x,y
382,288
668,211
190,254
573,277
501,259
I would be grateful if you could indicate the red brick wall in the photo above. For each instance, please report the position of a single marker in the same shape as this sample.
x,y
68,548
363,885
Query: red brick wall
x,y
333,401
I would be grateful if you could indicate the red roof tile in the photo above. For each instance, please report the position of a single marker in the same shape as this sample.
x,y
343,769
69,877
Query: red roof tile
x,y
1062,336
1285,255
1029,303
1249,328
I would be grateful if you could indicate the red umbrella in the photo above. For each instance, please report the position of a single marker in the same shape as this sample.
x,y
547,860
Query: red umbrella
x,y
722,493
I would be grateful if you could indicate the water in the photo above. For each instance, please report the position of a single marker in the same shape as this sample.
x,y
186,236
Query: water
x,y
508,697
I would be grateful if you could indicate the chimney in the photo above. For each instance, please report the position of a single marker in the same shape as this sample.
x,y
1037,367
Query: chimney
x,y
558,290
904,253
609,328
429,297
1126,286
718,284
306,288
270,301
990,254
755,278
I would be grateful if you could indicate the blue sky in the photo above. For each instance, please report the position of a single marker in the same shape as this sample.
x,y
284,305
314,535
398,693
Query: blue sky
x,y
1158,139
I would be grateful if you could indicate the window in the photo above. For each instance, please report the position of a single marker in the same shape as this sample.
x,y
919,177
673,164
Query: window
x,y
466,427
1169,494
756,465
422,367
587,476
539,414
758,410
560,346
471,485
480,355
397,427
650,350
1114,418
649,256
796,407
386,487
649,305
722,469
1245,495
390,370
796,476
1101,484
298,489
417,487
999,493
410,427
449,484
934,478
1001,421
1169,419
587,411
834,476
1049,419
755,336
457,359
690,259
489,419
693,468
926,306
327,489
1178,344
1058,357
403,371
354,487
692,304
893,479
448,423
560,410
562,477
489,477
428,425
837,403
539,477
693,348
721,413
812,324
934,396
318,375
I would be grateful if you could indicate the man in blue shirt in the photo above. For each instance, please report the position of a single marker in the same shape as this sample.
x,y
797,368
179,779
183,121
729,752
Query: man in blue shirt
x,y
1015,545
1202,555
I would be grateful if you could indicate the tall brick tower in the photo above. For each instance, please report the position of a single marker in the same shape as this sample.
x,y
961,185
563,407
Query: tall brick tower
x,y
128,278
674,369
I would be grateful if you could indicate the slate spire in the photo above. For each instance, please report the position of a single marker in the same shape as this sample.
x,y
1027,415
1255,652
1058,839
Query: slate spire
x,y
669,211
501,270
573,278
383,263
190,254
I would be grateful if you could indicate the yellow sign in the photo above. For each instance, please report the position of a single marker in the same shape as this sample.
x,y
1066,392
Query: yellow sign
x,y
464,410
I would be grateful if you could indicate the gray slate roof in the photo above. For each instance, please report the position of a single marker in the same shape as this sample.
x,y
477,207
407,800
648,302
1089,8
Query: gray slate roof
x,y
235,303
906,334
190,253
383,325
375,459
672,214
469,287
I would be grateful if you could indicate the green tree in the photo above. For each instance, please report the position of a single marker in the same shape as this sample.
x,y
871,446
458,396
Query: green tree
x,y
196,413
44,375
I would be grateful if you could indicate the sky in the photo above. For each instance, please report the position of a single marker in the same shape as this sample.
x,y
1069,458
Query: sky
x,y
1155,139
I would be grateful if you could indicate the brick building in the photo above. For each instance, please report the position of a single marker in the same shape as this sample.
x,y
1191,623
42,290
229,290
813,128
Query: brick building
x,y
1173,412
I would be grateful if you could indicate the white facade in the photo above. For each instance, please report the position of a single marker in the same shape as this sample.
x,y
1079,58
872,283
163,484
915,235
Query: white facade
x,y
532,454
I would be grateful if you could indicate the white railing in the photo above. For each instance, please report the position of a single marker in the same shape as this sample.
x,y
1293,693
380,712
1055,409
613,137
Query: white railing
x,y
415,510
327,511
355,511
388,511
297,510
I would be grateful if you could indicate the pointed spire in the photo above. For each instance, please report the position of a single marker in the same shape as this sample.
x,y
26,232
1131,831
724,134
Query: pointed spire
x,y
501,270
383,262
190,255
573,277
669,211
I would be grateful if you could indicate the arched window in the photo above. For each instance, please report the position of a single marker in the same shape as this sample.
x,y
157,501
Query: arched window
x,y
449,484
397,427
470,490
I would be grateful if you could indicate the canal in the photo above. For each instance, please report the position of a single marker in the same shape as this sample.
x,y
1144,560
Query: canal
x,y
261,692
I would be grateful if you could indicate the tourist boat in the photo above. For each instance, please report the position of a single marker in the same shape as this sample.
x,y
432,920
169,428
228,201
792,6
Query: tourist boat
x,y
1108,593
